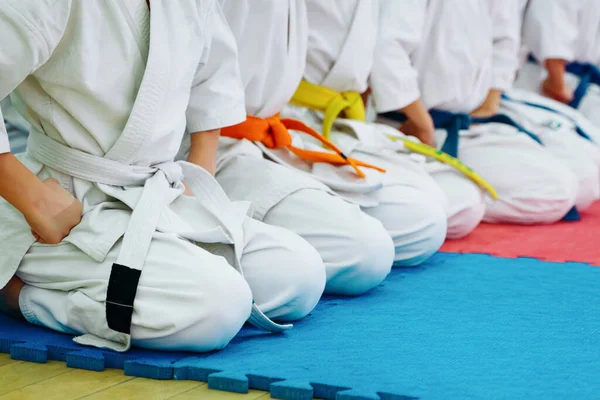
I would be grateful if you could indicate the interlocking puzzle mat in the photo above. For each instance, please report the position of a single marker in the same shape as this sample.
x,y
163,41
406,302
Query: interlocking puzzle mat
x,y
461,326
564,241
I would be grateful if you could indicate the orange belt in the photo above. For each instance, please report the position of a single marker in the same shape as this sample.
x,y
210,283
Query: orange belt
x,y
273,133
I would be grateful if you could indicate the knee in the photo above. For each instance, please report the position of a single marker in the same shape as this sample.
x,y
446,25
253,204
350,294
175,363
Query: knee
x,y
546,201
466,203
296,283
465,217
589,184
306,283
228,308
211,315
357,250
363,258
465,221
420,229
559,196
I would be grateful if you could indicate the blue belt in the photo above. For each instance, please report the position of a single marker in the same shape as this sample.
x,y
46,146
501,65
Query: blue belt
x,y
588,74
453,123
579,130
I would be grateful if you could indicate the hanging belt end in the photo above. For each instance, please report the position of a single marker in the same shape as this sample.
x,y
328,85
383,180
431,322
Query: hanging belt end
x,y
261,321
353,164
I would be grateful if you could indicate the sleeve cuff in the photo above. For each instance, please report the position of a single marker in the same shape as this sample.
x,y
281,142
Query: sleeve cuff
x,y
559,54
201,123
392,97
503,83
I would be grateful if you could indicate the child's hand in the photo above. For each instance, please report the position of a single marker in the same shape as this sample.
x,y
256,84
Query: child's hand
x,y
424,131
558,91
490,105
555,86
419,124
54,214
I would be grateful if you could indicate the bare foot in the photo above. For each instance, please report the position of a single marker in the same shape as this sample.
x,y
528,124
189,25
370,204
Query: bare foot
x,y
9,298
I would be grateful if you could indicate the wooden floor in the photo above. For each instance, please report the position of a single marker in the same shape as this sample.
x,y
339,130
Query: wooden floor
x,y
24,381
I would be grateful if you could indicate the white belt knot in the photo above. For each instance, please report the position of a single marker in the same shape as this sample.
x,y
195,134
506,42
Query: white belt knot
x,y
172,171
155,180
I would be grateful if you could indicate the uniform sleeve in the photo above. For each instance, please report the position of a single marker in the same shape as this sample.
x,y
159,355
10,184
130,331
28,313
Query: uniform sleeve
x,y
506,30
550,28
394,80
236,14
30,30
217,96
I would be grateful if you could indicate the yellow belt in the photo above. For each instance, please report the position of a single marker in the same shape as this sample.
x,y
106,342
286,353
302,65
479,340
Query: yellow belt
x,y
350,105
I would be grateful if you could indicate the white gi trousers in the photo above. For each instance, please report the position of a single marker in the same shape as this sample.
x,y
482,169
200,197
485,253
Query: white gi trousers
x,y
559,135
188,298
462,200
357,250
466,201
410,205
534,187
189,295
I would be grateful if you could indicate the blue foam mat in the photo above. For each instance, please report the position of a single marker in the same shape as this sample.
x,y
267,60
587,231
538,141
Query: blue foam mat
x,y
460,327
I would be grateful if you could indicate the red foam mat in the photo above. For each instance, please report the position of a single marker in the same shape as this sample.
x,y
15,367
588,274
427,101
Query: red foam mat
x,y
562,242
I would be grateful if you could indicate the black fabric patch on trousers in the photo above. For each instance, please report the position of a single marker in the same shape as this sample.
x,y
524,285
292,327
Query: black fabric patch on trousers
x,y
122,288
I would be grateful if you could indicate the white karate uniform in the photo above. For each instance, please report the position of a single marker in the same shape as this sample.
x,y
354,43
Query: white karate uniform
x,y
553,29
563,29
107,121
559,136
341,46
357,250
453,54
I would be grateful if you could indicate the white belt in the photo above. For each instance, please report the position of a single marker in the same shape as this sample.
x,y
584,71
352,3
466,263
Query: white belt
x,y
156,180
